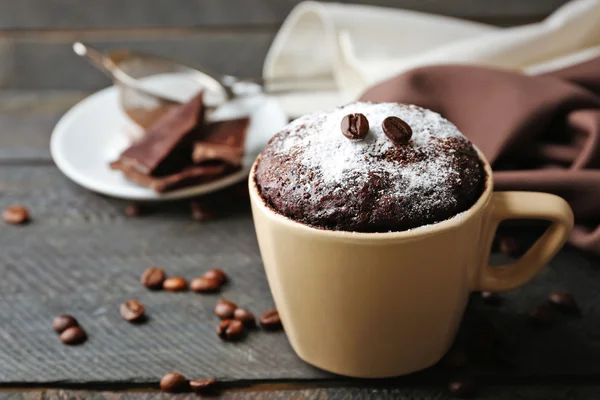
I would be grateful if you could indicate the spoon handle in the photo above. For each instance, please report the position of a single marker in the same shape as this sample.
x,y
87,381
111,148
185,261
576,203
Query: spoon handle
x,y
95,57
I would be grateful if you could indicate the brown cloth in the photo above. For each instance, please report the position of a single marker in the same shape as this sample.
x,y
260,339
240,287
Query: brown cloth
x,y
540,133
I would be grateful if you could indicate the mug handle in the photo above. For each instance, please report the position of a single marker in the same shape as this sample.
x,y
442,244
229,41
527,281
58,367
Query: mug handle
x,y
525,205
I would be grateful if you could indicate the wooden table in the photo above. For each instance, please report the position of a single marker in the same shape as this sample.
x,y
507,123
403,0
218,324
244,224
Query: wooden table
x,y
82,255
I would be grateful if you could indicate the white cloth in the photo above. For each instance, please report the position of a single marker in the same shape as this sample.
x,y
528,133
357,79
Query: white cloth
x,y
342,49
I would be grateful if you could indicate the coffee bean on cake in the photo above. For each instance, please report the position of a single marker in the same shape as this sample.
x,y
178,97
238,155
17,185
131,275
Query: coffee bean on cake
x,y
312,174
355,126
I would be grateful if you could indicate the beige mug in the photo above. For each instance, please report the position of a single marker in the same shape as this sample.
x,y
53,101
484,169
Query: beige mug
x,y
377,305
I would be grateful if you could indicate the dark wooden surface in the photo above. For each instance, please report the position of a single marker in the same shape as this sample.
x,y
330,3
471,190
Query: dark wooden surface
x,y
230,36
272,392
74,14
82,255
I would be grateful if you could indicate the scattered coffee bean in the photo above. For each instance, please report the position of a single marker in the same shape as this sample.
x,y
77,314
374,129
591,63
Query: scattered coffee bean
x,y
230,329
565,302
132,310
201,211
153,278
203,385
205,285
73,335
456,358
355,126
217,274
15,215
175,284
463,388
174,383
541,315
491,298
133,210
270,320
397,130
245,317
510,246
224,309
62,322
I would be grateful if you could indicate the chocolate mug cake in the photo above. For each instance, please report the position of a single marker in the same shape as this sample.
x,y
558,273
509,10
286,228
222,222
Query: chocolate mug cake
x,y
335,197
370,167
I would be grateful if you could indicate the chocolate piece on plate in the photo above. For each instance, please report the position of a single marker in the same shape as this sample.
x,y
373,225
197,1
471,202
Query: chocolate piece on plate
x,y
167,144
192,175
222,141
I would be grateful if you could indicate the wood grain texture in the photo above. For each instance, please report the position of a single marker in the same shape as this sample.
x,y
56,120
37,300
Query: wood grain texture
x,y
74,14
25,62
228,36
27,120
90,276
82,256
558,392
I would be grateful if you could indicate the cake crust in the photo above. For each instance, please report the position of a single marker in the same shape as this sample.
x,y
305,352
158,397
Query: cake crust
x,y
311,173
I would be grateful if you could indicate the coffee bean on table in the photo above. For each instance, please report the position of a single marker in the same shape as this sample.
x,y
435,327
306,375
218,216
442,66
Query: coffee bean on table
x,y
224,309
203,385
73,335
491,298
355,126
541,315
133,210
205,285
201,211
174,383
217,274
15,215
62,322
230,329
397,130
564,302
132,310
245,317
463,388
175,284
270,320
153,278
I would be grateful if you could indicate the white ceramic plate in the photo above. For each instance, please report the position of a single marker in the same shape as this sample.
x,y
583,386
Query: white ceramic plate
x,y
95,131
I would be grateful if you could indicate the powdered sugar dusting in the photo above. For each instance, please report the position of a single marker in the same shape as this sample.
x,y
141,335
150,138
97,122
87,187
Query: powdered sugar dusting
x,y
318,139
421,176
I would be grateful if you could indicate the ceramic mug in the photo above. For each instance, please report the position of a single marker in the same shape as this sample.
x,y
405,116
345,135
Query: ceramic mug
x,y
378,305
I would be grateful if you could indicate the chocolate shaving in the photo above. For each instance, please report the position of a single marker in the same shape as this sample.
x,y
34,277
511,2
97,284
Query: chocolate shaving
x,y
222,141
167,144
189,176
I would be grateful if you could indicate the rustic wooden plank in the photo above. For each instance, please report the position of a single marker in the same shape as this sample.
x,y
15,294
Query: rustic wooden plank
x,y
81,255
73,14
21,395
26,122
25,62
56,272
504,392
